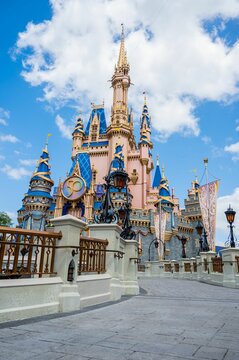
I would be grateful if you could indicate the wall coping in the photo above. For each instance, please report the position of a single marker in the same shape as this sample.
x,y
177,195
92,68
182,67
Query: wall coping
x,y
95,277
68,220
30,282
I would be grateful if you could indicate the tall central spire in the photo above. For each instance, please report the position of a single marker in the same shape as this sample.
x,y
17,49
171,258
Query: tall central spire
x,y
122,61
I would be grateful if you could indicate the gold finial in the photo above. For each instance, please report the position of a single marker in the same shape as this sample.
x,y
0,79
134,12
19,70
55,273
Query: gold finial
x,y
47,140
205,160
163,171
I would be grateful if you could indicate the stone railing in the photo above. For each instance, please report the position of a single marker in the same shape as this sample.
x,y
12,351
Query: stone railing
x,y
61,270
207,267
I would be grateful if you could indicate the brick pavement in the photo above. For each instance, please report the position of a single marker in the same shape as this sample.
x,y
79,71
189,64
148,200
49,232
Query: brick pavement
x,y
175,319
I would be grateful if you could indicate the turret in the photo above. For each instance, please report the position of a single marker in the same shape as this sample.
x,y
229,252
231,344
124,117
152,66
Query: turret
x,y
157,175
165,198
145,127
77,136
38,199
120,83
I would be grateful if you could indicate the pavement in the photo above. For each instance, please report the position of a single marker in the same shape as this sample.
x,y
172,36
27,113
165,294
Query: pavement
x,y
171,319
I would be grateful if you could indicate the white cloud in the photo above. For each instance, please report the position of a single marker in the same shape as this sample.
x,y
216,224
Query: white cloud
x,y
66,130
9,138
233,148
15,173
222,205
3,122
4,116
171,55
27,162
206,139
2,157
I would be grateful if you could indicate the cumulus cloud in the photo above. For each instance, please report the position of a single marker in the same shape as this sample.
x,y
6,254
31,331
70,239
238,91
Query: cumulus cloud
x,y
15,173
4,116
172,56
27,162
233,148
222,204
9,138
206,139
66,130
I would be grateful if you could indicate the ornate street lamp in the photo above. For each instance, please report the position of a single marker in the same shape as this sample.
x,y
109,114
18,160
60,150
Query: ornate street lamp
x,y
118,179
199,229
230,215
156,245
183,240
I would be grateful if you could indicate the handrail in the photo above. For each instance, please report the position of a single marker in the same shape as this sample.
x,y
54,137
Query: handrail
x,y
7,230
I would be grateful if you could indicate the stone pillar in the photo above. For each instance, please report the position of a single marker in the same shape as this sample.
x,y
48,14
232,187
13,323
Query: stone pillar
x,y
71,228
130,281
230,267
114,265
203,276
148,268
210,255
193,273
199,267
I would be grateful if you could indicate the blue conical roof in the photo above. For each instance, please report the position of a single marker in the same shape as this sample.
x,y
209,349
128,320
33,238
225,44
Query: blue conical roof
x,y
157,176
43,168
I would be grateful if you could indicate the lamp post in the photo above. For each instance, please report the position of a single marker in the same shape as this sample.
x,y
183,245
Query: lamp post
x,y
199,229
183,240
118,179
156,245
230,215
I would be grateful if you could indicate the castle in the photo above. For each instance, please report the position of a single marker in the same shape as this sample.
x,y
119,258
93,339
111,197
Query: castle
x,y
82,192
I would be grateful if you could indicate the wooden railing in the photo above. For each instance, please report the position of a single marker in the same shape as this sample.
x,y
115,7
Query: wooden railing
x,y
176,267
24,253
187,267
217,265
167,267
92,255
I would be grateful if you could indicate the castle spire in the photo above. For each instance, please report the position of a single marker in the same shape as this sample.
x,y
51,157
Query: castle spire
x,y
122,61
145,126
42,171
157,175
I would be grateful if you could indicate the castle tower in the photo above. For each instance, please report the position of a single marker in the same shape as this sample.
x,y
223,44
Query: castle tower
x,y
38,199
120,128
77,136
145,146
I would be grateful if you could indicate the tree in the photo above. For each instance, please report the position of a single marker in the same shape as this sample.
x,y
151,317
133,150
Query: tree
x,y
5,220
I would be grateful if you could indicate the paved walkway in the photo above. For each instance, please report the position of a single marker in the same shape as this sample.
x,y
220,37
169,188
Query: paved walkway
x,y
175,319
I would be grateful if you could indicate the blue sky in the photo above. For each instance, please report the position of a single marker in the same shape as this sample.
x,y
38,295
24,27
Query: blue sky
x,y
56,58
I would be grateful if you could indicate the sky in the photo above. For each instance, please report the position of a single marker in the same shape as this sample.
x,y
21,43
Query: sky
x,y
57,57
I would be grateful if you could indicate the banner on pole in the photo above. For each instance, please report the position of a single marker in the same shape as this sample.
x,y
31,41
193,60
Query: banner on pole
x,y
160,227
208,204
